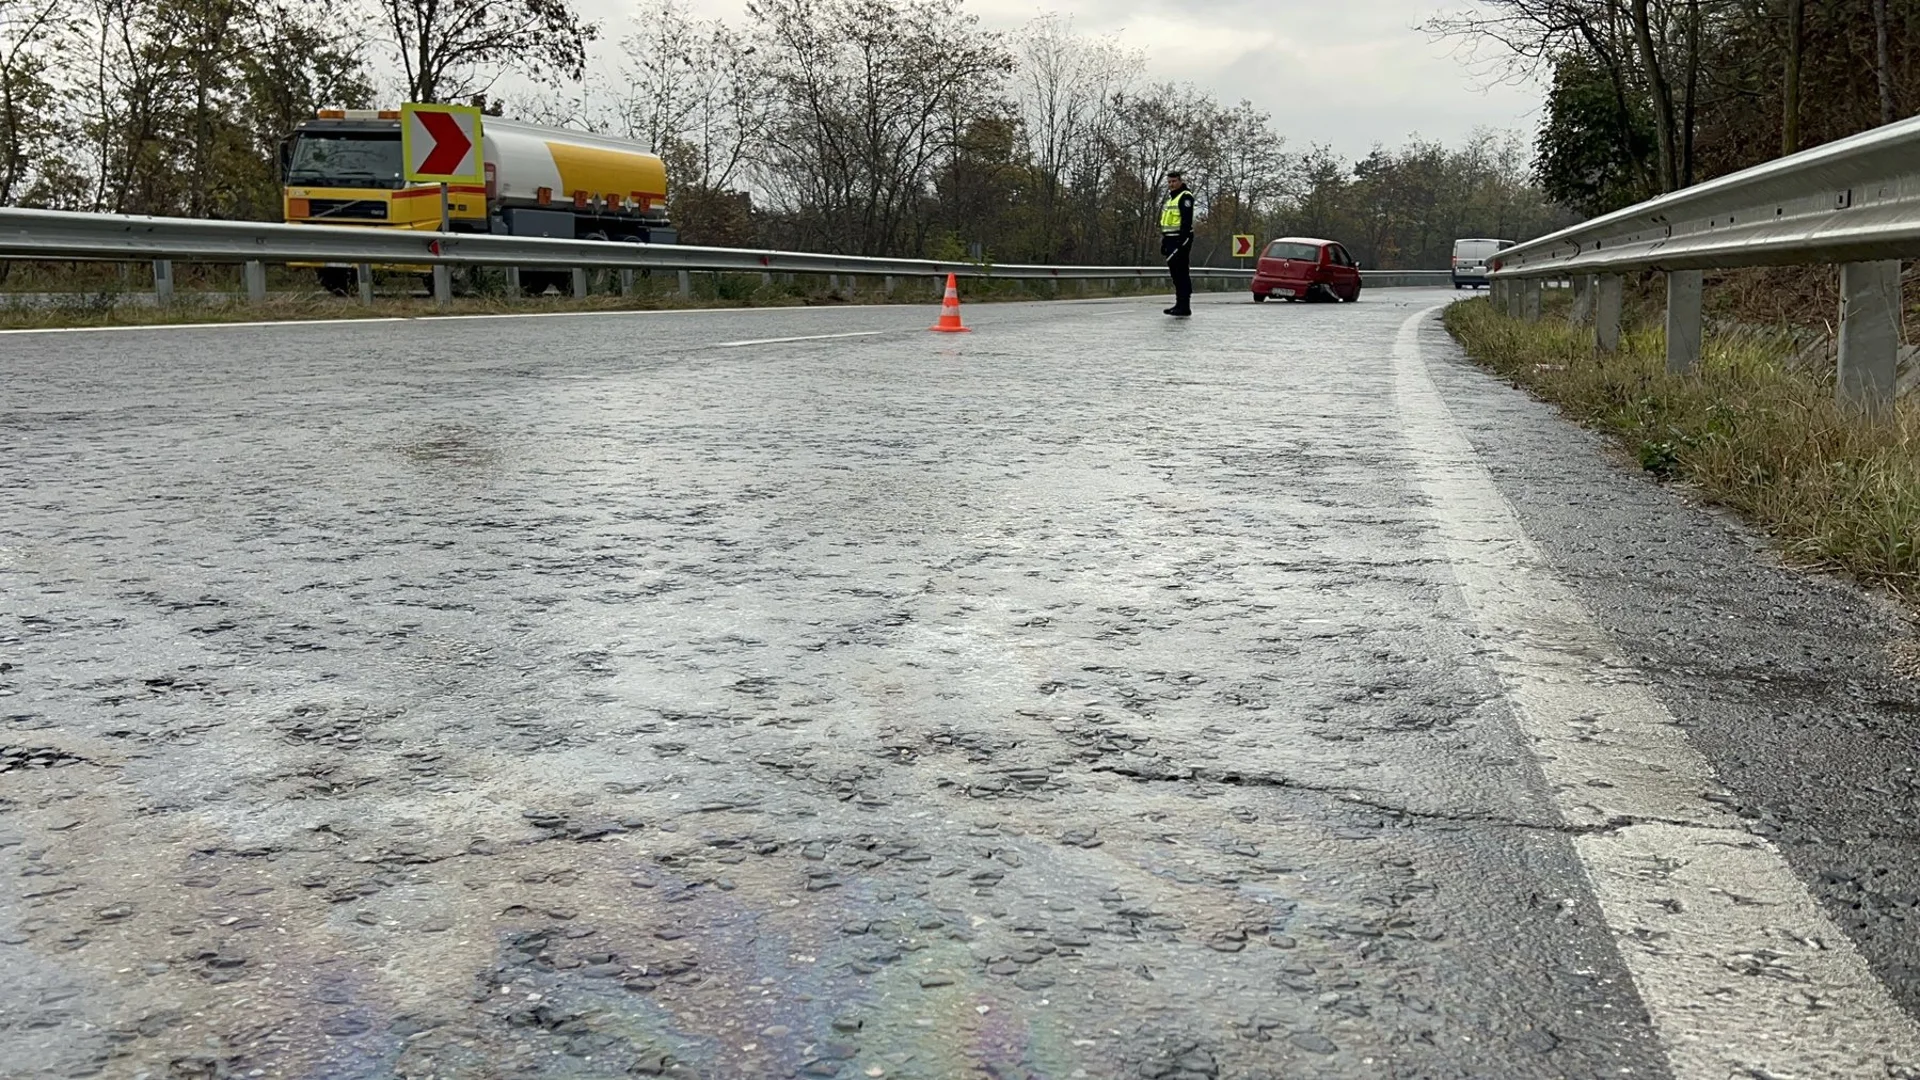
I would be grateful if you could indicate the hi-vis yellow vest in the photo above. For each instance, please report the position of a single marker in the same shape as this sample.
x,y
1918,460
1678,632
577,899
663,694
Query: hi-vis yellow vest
x,y
1170,213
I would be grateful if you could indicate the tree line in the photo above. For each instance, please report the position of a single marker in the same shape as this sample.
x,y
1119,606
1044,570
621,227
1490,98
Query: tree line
x,y
862,126
1649,96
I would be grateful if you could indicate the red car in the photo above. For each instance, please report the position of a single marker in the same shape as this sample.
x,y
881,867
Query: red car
x,y
1302,268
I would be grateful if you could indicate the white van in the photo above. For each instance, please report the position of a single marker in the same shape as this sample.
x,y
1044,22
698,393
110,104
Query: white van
x,y
1470,260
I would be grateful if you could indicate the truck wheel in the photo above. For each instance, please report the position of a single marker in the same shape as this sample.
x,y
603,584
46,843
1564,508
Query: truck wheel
x,y
537,282
338,280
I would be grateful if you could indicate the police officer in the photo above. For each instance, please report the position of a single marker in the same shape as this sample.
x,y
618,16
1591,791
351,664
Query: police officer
x,y
1176,243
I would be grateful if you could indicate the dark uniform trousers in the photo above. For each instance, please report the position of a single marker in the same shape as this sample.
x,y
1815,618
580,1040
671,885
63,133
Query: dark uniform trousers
x,y
1178,251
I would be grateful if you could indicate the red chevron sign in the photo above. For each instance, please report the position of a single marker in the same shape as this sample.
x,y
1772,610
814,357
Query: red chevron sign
x,y
441,143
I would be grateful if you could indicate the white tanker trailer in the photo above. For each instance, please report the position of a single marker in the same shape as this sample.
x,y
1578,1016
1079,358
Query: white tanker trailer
x,y
344,167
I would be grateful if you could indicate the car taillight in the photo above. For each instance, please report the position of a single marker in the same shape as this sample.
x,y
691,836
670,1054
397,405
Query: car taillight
x,y
1456,260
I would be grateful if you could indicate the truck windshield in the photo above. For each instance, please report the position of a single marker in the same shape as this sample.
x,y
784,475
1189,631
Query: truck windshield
x,y
341,159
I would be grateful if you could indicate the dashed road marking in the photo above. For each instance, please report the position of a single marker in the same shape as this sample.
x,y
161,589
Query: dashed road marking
x,y
803,337
1740,970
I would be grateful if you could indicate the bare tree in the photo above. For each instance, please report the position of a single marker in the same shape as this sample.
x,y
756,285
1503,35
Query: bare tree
x,y
860,89
655,103
1539,33
1065,87
1790,86
1249,170
29,96
1883,61
452,49
695,89
1647,37
1165,126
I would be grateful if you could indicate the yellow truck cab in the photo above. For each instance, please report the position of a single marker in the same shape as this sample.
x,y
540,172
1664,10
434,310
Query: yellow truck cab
x,y
344,167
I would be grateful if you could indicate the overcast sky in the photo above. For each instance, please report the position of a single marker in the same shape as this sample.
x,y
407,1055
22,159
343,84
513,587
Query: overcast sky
x,y
1348,73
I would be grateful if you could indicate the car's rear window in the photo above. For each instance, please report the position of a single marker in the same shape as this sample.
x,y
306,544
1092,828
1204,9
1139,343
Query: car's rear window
x,y
1280,249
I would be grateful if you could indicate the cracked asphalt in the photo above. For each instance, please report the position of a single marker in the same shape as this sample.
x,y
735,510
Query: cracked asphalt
x,y
1093,695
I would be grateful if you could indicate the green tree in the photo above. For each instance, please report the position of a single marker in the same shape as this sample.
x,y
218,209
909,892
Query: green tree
x,y
1590,152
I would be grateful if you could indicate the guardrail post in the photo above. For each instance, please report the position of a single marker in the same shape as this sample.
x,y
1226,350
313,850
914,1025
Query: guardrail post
x,y
1530,298
1684,289
579,283
163,281
442,285
1869,335
1606,312
1582,299
363,276
255,275
1511,295
686,285
886,284
626,281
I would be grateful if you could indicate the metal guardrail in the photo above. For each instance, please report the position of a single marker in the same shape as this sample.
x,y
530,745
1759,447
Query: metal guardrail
x,y
1855,202
51,234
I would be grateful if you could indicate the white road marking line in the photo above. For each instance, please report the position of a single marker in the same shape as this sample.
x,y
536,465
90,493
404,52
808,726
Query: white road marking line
x,y
1739,968
647,311
353,320
197,325
784,340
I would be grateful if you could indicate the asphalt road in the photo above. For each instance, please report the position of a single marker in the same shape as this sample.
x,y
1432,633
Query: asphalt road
x,y
798,693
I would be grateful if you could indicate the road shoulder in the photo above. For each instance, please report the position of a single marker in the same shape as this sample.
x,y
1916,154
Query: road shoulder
x,y
1787,682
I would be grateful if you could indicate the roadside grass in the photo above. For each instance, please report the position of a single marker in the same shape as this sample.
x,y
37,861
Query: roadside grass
x,y
106,303
1746,431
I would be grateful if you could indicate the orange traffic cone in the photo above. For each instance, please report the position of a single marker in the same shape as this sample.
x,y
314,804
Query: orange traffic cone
x,y
950,311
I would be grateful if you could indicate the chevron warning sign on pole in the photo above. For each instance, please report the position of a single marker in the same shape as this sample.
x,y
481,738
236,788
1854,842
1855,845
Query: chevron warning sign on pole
x,y
1242,246
441,144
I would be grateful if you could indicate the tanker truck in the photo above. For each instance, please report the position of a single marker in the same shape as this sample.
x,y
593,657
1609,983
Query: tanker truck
x,y
344,167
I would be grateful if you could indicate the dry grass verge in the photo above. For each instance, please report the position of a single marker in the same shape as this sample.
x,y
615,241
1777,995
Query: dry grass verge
x,y
1836,491
109,311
